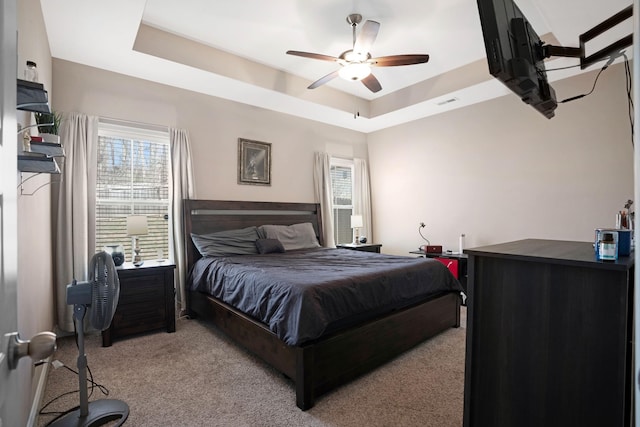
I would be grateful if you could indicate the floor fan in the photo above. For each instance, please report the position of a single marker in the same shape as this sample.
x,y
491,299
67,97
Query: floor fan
x,y
100,293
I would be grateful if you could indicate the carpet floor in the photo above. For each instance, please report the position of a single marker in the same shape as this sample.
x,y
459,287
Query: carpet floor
x,y
197,377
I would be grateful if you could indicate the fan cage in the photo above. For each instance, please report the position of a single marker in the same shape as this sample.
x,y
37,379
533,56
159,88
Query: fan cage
x,y
105,289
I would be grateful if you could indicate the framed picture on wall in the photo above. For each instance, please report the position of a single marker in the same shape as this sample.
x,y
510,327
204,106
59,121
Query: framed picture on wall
x,y
254,162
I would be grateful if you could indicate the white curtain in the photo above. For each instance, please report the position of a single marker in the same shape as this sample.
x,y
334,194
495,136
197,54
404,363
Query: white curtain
x,y
183,188
324,195
75,214
362,197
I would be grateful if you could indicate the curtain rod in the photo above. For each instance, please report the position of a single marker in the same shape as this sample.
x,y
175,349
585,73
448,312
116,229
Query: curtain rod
x,y
345,158
148,126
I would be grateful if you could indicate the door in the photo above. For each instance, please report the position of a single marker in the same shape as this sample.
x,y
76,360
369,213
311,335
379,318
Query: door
x,y
10,379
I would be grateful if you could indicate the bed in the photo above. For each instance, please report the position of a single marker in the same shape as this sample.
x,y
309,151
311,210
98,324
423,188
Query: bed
x,y
345,350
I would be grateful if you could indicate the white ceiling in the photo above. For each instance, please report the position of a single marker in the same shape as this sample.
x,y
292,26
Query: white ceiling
x,y
236,50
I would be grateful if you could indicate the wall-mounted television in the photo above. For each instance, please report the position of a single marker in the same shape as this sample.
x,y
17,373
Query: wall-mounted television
x,y
515,53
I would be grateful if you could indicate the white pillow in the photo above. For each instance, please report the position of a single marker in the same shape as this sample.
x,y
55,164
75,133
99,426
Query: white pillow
x,y
296,236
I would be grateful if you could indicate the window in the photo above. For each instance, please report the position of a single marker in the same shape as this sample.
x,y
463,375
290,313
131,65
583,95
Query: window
x,y
132,178
342,188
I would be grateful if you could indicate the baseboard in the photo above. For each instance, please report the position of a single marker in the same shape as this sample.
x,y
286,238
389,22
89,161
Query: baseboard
x,y
40,375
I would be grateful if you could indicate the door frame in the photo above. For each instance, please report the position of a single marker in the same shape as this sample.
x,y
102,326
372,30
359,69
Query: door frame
x,y
14,384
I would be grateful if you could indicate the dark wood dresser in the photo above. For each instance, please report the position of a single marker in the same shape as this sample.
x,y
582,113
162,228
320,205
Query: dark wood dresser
x,y
147,301
549,336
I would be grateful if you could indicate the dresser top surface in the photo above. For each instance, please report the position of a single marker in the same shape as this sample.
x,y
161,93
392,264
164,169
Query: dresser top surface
x,y
146,265
557,251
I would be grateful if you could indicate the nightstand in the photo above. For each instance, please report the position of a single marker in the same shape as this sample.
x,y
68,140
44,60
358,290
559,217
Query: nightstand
x,y
364,247
147,300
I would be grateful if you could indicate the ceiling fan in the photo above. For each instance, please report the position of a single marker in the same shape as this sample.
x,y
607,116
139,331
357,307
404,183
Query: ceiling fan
x,y
356,63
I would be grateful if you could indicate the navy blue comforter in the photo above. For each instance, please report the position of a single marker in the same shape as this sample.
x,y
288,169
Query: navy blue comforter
x,y
304,294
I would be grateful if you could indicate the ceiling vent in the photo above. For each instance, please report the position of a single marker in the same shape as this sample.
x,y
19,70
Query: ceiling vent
x,y
447,101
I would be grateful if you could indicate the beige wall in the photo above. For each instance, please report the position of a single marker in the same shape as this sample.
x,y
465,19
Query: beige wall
x,y
214,127
496,171
499,171
35,276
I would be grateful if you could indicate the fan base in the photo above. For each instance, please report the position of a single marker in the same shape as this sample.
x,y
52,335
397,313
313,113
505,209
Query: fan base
x,y
101,412
354,19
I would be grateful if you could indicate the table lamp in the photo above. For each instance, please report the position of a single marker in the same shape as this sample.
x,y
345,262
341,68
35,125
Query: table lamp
x,y
136,226
356,222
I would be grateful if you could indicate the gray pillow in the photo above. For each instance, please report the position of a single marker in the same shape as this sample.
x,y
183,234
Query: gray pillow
x,y
229,242
269,246
296,236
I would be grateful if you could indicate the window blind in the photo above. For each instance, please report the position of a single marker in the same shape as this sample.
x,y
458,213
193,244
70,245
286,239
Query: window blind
x,y
342,188
132,179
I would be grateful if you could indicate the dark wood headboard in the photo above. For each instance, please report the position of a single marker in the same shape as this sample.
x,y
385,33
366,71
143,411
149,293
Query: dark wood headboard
x,y
210,216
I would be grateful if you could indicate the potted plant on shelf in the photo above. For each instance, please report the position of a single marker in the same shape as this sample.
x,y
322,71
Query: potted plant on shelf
x,y
49,126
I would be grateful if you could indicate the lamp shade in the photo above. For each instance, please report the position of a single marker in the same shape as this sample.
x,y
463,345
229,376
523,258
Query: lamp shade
x,y
356,221
137,225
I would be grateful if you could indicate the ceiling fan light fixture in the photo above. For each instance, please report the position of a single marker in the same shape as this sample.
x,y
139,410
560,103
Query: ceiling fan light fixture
x,y
356,71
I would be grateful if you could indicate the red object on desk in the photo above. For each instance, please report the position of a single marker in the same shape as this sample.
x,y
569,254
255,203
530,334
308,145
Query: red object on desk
x,y
452,265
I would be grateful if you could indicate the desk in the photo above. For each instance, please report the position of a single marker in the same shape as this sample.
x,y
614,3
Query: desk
x,y
456,263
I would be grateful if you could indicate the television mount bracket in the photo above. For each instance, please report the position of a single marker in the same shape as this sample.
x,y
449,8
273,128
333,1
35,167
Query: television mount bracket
x,y
606,52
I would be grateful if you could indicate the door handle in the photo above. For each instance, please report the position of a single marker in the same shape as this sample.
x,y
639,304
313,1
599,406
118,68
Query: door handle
x,y
39,347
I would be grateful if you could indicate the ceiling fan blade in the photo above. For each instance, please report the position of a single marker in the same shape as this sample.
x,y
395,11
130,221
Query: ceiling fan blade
x,y
372,83
312,55
323,80
395,60
367,36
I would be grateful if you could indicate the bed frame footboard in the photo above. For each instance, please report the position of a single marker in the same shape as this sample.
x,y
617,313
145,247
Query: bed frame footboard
x,y
324,364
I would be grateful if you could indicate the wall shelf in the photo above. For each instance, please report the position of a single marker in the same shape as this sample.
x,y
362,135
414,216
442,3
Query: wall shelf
x,y
49,149
37,163
31,96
